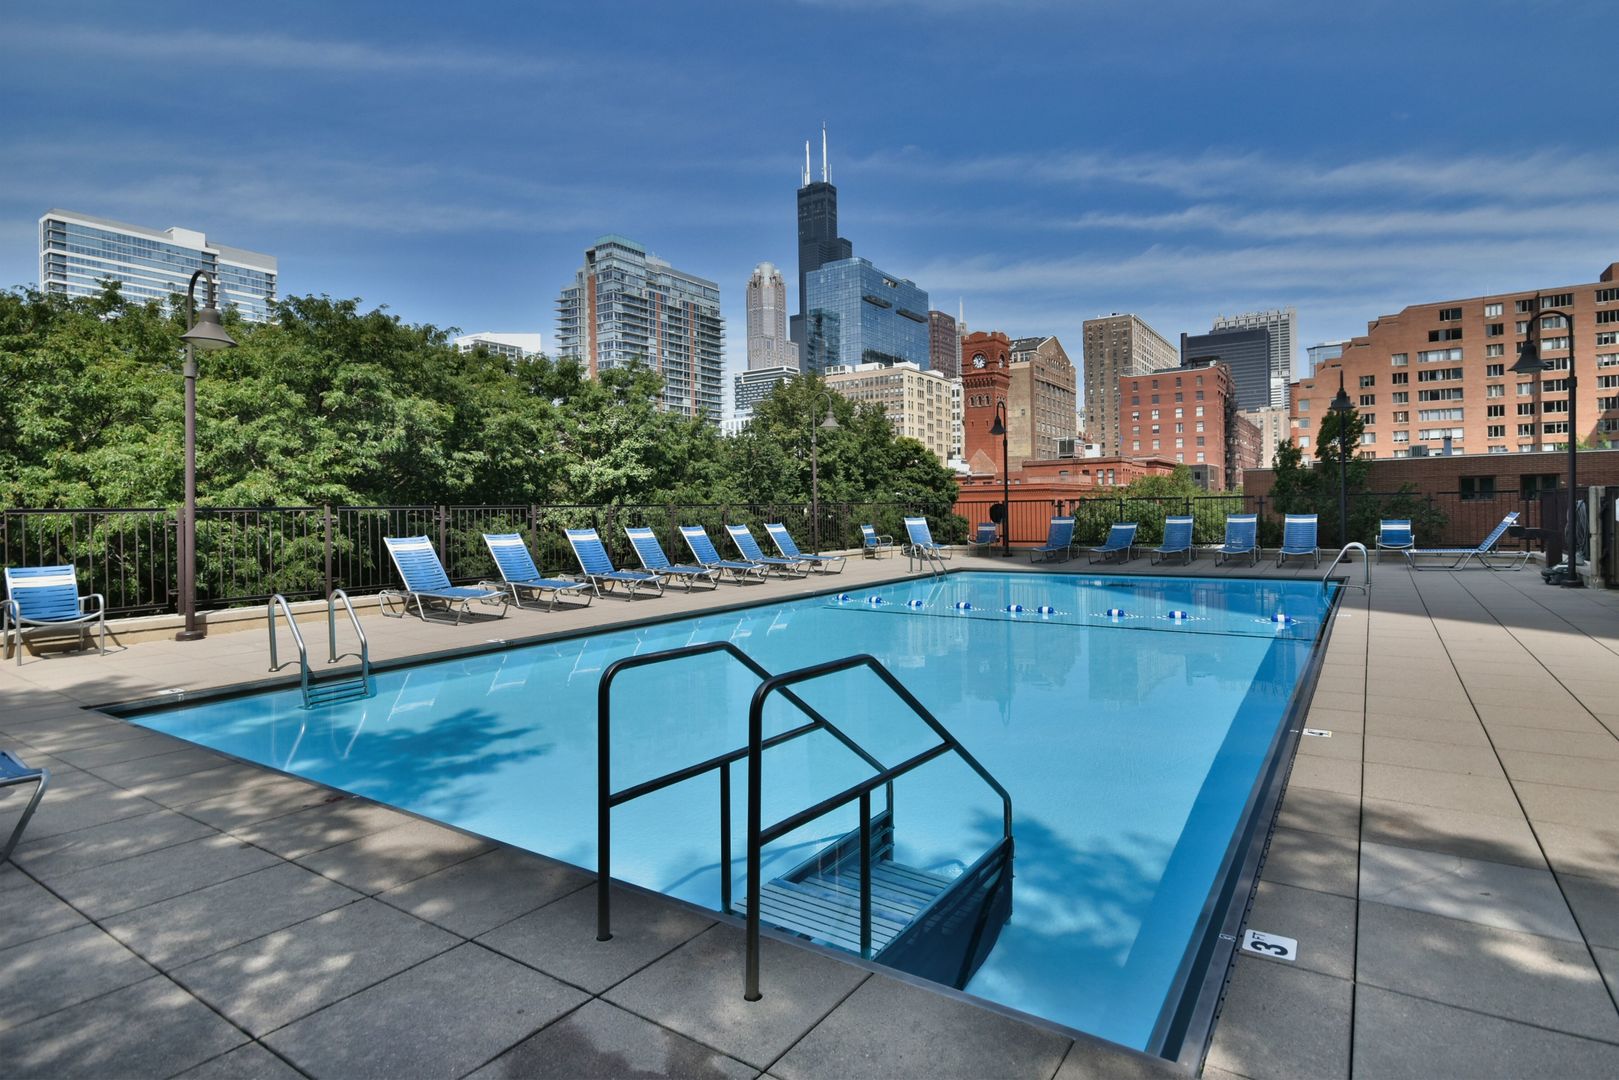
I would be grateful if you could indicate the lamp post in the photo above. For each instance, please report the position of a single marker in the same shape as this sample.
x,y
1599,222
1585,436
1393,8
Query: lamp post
x,y
1341,407
203,331
830,424
999,428
1529,362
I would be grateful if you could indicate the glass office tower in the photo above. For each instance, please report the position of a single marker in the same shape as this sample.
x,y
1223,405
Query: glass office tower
x,y
77,253
857,314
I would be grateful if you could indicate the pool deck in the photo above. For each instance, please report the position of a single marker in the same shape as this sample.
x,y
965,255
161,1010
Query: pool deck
x,y
1448,861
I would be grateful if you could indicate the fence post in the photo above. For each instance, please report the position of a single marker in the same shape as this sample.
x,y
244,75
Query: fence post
x,y
534,523
326,530
443,513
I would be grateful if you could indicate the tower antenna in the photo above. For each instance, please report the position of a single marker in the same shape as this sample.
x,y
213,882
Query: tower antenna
x,y
806,165
826,175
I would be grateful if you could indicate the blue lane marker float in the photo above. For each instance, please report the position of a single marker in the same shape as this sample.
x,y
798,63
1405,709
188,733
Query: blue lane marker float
x,y
1178,616
1115,613
1015,609
916,603
963,605
844,598
1278,620
875,600
1046,609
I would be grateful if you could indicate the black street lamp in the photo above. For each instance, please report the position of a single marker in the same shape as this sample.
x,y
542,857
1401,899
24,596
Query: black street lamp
x,y
1341,407
203,331
830,424
999,428
1530,363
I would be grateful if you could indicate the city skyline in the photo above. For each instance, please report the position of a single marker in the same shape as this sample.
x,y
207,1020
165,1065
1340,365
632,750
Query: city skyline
x,y
1166,199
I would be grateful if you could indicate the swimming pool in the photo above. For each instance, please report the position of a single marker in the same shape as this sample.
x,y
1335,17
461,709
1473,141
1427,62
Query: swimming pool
x,y
1129,718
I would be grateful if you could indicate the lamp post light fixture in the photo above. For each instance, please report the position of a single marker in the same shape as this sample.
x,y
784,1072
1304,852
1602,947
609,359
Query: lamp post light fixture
x,y
1341,407
829,424
203,331
1530,363
999,428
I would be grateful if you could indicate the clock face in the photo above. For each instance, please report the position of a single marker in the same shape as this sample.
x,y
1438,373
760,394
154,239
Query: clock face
x,y
978,360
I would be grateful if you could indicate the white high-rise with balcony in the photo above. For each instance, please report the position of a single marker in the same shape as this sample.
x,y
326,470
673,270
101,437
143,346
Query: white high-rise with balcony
x,y
768,344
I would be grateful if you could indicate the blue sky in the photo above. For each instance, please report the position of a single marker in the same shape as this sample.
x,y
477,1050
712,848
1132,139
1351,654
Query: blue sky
x,y
1043,161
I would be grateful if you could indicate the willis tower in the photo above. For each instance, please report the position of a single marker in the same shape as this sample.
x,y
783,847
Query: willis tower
x,y
818,239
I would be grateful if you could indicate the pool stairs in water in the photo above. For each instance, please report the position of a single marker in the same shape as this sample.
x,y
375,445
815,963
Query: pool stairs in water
x,y
924,923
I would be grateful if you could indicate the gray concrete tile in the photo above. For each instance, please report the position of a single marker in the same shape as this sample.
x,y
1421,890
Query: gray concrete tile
x,y
560,939
247,1062
1405,726
64,853
51,973
30,910
1322,924
1581,807
1474,759
112,1036
1095,1059
177,792
204,922
1338,720
1316,861
107,890
333,822
697,991
602,1040
146,770
1489,893
147,744
1596,908
890,1028
1524,977
270,981
1314,810
1608,964
58,736
394,856
442,1018
1406,1038
243,806
1560,769
79,801
1447,791
1592,853
1265,999
475,896
1530,716
1340,744
1568,743
1430,828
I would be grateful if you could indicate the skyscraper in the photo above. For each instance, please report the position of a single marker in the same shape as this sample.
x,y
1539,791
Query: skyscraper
x,y
818,239
1247,353
944,344
78,252
626,306
768,344
1283,325
857,314
1117,345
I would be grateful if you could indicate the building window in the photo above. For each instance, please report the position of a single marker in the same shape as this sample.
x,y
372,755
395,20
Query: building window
x,y
1477,487
1491,310
1431,356
1367,438
1526,408
1495,410
1495,350
1495,329
1368,399
1495,371
1608,337
1525,389
1560,405
1303,423
1523,307
1402,417
1521,327
1525,430
1452,333
1304,404
1606,317
1402,436
1368,380
1155,414
1553,386
1304,441
1369,418
1558,427
1560,299
1401,378
1399,359
1607,296
1402,397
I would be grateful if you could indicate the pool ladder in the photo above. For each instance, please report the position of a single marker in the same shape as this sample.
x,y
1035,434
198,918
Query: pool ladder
x,y
330,691
1353,545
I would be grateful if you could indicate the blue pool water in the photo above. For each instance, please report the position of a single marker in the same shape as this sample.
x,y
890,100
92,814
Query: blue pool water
x,y
1129,742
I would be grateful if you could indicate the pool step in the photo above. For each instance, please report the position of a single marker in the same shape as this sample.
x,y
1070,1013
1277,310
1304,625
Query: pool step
x,y
827,908
336,691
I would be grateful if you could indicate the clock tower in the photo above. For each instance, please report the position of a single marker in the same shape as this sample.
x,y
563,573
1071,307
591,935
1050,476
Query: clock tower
x,y
985,375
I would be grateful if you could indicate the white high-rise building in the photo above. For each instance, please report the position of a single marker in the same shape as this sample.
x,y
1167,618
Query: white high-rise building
x,y
768,344
78,252
511,346
1283,324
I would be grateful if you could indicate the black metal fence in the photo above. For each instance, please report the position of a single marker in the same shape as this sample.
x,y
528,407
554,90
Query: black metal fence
x,y
246,554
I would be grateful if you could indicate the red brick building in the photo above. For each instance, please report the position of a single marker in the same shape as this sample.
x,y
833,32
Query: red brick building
x,y
1189,416
986,375
1445,369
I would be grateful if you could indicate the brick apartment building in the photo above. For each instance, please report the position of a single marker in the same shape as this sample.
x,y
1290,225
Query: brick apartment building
x,y
1444,369
1041,398
1189,415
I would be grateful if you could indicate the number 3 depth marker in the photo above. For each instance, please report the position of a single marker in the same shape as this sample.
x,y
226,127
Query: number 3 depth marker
x,y
1272,945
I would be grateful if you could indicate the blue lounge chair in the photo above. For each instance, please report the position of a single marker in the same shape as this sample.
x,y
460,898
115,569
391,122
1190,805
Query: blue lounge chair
x,y
1059,540
1484,552
789,549
1121,540
596,565
12,773
986,534
654,561
1177,541
1394,534
749,549
874,543
47,598
921,545
518,574
1298,539
1241,538
702,549
426,584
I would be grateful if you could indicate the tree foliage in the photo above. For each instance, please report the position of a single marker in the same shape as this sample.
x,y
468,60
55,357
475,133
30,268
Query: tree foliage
x,y
1301,490
331,403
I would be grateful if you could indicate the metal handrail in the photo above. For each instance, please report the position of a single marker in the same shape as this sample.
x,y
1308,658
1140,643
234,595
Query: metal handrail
x,y
279,601
331,633
758,836
1353,545
607,799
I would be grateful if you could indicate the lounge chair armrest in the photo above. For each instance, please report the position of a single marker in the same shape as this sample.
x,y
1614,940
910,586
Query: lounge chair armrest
x,y
101,604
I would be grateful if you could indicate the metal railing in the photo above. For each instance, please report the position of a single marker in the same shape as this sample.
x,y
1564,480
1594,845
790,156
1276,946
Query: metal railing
x,y
1353,545
279,601
330,691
